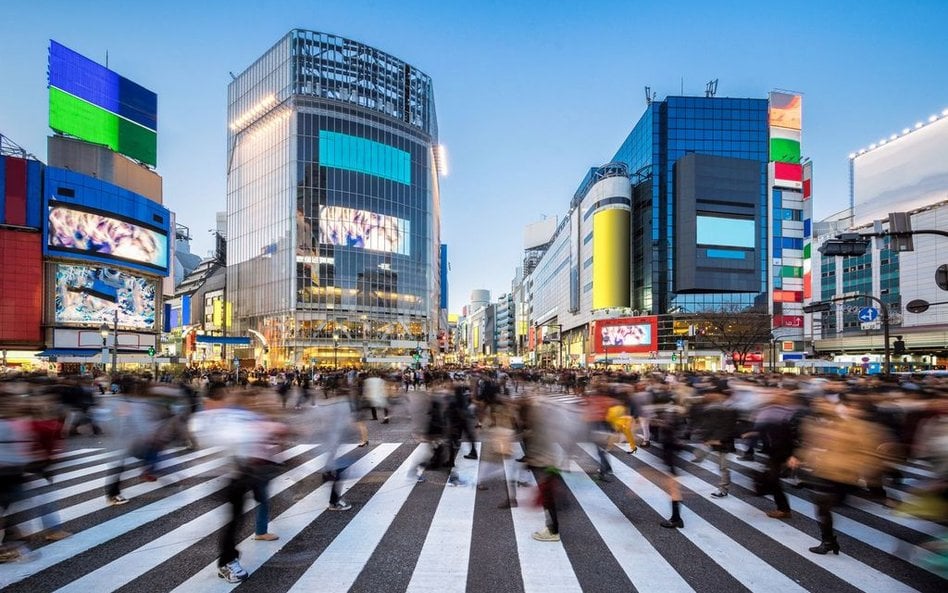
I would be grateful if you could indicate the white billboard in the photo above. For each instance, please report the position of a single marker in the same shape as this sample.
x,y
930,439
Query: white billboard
x,y
903,174
538,234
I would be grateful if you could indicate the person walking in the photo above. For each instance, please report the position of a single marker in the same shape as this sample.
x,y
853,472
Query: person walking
x,y
777,428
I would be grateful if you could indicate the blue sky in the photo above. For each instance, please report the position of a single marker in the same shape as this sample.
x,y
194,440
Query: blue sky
x,y
529,94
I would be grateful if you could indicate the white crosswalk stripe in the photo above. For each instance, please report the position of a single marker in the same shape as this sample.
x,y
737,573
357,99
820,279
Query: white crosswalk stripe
x,y
889,557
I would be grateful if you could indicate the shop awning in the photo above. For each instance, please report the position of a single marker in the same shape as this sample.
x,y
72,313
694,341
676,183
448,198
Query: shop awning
x,y
80,352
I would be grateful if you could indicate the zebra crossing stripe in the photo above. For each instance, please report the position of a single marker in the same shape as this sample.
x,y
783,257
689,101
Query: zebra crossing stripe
x,y
88,471
95,536
868,535
289,524
70,458
843,566
741,563
642,563
443,563
341,562
123,570
99,483
544,566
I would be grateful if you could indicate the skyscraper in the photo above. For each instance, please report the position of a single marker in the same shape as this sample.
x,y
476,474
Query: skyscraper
x,y
333,207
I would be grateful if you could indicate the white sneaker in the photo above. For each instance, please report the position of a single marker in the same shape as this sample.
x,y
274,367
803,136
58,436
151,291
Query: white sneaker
x,y
544,535
232,572
116,499
340,506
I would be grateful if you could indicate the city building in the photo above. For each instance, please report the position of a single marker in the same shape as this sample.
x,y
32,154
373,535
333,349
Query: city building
x,y
93,292
21,256
333,207
904,172
703,208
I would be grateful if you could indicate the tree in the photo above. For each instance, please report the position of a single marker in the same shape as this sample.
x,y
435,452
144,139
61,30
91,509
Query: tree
x,y
734,331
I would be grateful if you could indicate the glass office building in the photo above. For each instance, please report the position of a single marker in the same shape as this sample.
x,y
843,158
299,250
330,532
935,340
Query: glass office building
x,y
731,128
333,215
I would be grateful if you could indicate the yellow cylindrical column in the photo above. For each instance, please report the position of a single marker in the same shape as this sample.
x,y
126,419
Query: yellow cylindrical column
x,y
611,260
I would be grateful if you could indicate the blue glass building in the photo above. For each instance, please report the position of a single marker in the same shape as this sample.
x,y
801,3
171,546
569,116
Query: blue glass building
x,y
668,131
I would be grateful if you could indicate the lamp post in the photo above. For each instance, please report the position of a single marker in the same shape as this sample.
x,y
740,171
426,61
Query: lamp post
x,y
104,331
335,351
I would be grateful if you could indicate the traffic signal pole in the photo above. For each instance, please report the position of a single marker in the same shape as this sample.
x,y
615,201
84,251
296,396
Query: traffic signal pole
x,y
817,307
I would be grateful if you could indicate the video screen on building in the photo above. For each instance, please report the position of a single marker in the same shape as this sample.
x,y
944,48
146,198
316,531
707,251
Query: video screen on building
x,y
729,232
363,229
634,334
82,232
91,295
92,103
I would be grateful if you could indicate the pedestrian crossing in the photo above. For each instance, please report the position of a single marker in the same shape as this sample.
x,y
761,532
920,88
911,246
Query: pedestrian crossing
x,y
421,537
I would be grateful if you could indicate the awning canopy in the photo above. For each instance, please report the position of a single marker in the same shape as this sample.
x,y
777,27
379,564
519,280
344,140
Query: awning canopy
x,y
80,352
233,340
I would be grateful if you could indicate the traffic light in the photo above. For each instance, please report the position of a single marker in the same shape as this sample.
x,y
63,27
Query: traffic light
x,y
817,307
151,351
898,347
846,244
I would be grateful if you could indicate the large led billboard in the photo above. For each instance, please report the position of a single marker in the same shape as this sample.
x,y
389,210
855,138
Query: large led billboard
x,y
80,232
904,174
786,110
363,229
729,232
629,334
90,295
95,104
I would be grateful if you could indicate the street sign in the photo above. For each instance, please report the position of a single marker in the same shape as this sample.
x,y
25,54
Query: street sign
x,y
679,344
870,325
868,314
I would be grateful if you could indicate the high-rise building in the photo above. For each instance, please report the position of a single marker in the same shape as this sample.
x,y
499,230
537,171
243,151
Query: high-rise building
x,y
702,209
333,206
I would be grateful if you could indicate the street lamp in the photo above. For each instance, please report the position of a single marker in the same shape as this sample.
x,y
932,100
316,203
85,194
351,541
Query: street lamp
x,y
104,331
335,351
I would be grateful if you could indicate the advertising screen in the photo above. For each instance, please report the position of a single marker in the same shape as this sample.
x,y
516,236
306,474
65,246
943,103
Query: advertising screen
x,y
786,110
363,229
81,232
730,232
904,174
626,335
90,296
93,103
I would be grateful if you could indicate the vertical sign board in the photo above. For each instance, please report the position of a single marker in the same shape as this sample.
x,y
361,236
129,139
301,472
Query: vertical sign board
x,y
790,179
95,104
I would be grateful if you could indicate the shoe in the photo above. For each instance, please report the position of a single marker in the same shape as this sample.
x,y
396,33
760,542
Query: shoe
x,y
673,523
340,505
363,443
825,547
778,514
116,499
232,572
632,449
646,444
544,535
483,487
749,456
149,477
56,535
508,504
720,493
522,459
385,420
471,455
605,476
266,537
10,554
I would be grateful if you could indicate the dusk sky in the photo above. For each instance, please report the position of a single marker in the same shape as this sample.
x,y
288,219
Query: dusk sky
x,y
529,95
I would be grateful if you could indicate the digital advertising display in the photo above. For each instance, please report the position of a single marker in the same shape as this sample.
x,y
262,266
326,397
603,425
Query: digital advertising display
x,y
786,110
729,232
89,233
90,295
363,229
95,104
635,334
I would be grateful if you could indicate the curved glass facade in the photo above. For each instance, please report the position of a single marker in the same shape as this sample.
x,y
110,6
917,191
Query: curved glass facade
x,y
333,204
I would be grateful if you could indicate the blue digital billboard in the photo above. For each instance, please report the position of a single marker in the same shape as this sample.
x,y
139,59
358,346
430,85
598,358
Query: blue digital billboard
x,y
729,232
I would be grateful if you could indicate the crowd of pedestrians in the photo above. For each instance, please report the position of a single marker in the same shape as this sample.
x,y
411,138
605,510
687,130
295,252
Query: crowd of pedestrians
x,y
836,436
